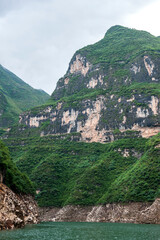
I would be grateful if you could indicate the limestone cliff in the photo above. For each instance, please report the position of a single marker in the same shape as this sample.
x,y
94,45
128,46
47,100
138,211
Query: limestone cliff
x,y
113,84
16,210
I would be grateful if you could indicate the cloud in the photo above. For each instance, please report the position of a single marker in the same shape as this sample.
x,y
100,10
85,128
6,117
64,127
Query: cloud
x,y
39,37
148,16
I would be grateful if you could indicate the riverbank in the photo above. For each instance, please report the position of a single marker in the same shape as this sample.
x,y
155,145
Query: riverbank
x,y
146,213
18,210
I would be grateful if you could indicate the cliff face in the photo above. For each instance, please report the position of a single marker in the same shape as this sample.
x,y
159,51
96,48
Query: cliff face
x,y
124,213
113,84
16,210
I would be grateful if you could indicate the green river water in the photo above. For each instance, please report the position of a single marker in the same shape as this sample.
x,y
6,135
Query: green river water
x,y
83,231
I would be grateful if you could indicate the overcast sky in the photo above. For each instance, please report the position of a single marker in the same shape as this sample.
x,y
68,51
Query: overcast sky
x,y
39,37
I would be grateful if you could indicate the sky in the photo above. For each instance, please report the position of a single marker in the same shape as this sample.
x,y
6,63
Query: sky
x,y
39,37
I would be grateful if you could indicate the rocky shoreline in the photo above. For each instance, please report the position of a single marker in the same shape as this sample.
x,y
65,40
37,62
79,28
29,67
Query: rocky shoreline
x,y
142,213
16,210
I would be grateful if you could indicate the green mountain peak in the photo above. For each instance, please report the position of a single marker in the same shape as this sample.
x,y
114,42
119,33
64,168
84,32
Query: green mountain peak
x,y
116,28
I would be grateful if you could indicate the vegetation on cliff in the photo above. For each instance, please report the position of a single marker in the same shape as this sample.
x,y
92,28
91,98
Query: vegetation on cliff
x,y
11,176
121,44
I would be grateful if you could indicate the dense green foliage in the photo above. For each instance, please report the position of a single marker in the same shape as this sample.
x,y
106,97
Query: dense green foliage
x,y
16,96
142,181
11,176
140,88
69,172
120,45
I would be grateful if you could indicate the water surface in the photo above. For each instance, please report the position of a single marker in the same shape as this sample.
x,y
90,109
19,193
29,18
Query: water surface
x,y
83,231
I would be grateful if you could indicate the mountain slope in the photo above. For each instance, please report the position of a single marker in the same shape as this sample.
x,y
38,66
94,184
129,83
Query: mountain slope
x,y
16,194
11,176
66,171
16,96
110,94
117,78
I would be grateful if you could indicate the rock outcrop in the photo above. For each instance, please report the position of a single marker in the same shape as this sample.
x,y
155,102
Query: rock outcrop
x,y
16,210
148,213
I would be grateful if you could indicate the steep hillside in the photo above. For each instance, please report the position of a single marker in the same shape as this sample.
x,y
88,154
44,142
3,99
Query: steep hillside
x,y
111,85
11,176
16,96
66,171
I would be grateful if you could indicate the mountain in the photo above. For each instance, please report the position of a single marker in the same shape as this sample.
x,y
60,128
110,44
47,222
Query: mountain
x,y
111,85
97,139
15,97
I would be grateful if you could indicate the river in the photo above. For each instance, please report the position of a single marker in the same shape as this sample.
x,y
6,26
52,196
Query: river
x,y
83,231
